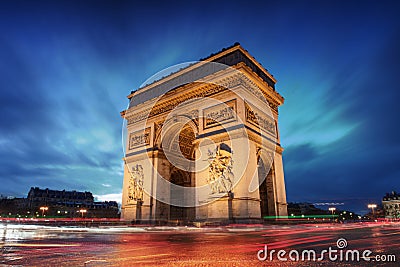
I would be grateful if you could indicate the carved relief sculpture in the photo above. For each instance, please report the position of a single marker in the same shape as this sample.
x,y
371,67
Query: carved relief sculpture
x,y
135,188
221,113
220,176
260,119
139,138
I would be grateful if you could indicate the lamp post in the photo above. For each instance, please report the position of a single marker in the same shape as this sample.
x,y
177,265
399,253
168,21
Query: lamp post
x,y
43,209
372,207
332,209
82,211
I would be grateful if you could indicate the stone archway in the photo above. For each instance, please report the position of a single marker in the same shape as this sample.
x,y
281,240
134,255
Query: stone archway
x,y
178,177
183,141
266,188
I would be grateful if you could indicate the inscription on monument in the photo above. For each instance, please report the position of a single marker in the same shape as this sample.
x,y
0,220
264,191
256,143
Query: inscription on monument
x,y
139,138
221,113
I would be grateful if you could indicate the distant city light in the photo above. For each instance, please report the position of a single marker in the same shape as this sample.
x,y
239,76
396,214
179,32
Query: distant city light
x,y
43,209
332,209
329,204
372,207
82,211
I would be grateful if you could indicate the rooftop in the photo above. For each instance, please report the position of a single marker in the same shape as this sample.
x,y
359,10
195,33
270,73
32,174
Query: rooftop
x,y
392,196
227,57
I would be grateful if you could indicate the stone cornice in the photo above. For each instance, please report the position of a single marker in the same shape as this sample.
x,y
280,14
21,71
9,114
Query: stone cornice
x,y
261,84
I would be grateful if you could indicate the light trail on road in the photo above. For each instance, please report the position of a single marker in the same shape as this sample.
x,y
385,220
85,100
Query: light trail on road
x,y
185,246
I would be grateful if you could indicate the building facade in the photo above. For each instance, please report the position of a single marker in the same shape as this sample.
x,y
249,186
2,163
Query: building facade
x,y
58,203
391,205
203,144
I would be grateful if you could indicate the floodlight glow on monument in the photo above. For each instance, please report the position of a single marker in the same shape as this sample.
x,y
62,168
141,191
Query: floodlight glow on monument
x,y
202,144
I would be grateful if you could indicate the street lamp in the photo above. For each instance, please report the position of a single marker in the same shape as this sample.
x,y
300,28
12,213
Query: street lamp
x,y
372,207
332,209
43,209
82,211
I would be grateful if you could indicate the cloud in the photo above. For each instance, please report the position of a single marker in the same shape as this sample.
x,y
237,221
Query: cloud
x,y
109,197
62,129
361,165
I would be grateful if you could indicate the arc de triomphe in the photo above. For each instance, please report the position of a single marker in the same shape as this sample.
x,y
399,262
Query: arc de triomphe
x,y
202,144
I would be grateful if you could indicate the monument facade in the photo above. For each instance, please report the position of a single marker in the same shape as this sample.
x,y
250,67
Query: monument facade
x,y
202,144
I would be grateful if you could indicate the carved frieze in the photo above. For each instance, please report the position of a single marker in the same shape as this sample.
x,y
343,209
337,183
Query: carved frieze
x,y
139,138
260,119
221,113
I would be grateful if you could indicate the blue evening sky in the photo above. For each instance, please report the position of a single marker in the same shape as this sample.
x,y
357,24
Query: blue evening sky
x,y
67,66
